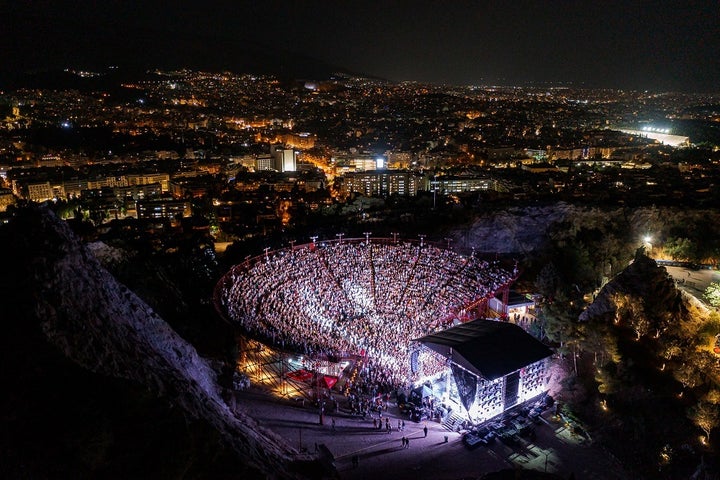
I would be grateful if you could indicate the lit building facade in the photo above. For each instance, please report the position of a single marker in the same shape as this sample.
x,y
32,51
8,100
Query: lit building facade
x,y
457,184
359,162
162,208
301,140
264,162
41,192
6,199
147,178
383,183
284,159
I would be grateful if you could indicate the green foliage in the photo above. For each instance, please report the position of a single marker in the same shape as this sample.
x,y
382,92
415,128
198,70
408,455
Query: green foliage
x,y
607,379
578,268
671,350
635,352
694,237
560,325
589,248
705,415
712,294
713,396
537,330
599,339
708,330
547,281
682,249
688,375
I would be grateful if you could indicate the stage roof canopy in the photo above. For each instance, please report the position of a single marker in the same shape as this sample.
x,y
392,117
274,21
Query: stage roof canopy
x,y
487,348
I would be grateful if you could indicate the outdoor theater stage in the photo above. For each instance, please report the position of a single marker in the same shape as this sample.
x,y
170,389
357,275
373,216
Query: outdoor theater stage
x,y
494,366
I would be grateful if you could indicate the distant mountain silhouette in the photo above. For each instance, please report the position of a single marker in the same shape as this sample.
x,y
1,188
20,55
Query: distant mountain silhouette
x,y
38,62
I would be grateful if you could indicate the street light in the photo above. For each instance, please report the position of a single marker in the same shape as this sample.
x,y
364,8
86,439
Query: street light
x,y
647,245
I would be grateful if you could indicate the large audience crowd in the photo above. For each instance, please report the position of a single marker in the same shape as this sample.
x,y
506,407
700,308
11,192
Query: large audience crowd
x,y
357,298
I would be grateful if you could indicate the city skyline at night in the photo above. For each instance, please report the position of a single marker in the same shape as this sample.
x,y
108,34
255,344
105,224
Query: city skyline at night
x,y
636,45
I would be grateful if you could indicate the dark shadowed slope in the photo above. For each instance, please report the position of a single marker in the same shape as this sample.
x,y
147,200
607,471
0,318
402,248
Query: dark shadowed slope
x,y
98,385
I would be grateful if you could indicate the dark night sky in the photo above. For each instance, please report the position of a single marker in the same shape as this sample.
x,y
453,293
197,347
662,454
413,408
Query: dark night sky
x,y
660,45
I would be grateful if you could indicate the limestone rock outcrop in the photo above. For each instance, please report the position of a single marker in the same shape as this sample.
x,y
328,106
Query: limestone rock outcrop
x,y
642,279
523,229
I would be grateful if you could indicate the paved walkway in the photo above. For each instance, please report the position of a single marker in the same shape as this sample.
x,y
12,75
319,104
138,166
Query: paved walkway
x,y
694,282
381,454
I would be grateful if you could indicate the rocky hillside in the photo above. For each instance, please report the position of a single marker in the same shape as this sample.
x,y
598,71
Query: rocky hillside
x,y
645,372
91,341
519,230
642,279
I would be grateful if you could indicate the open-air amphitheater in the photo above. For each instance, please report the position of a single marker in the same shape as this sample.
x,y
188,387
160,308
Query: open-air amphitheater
x,y
350,315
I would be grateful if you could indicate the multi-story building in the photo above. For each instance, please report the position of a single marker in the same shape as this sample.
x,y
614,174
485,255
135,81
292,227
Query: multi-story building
x,y
285,159
130,185
383,183
138,192
399,159
50,161
459,184
41,192
147,178
181,187
301,141
6,199
264,162
75,187
161,208
580,153
359,162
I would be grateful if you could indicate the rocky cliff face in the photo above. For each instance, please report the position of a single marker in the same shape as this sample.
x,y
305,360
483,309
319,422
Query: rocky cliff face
x,y
514,230
642,279
64,295
519,230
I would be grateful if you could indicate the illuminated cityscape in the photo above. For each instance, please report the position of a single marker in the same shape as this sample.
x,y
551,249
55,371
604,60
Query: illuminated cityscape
x,y
182,132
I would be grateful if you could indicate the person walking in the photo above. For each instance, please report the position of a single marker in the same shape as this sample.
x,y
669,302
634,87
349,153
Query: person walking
x,y
425,430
